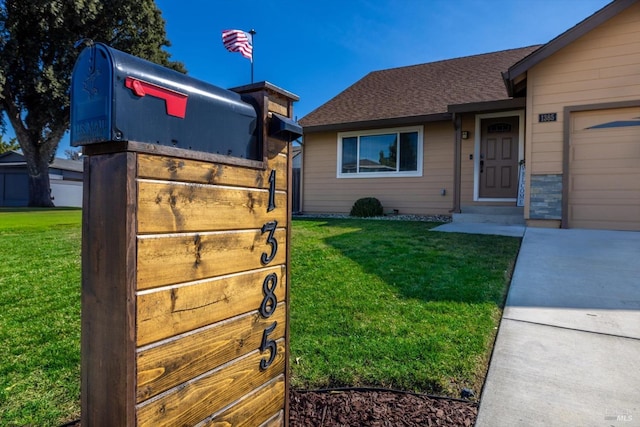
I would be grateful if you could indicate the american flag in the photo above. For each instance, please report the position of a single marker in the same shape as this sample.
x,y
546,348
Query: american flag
x,y
238,41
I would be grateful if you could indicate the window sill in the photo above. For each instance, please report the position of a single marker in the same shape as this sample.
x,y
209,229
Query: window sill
x,y
379,175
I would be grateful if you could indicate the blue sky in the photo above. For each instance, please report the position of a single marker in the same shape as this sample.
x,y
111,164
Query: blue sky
x,y
318,48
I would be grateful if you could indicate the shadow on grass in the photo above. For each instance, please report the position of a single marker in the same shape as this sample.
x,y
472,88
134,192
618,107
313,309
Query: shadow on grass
x,y
427,265
393,304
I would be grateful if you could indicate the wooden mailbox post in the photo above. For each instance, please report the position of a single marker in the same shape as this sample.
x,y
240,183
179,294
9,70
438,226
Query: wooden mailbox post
x,y
185,262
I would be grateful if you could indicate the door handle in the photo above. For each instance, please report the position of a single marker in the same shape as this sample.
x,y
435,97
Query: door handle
x,y
481,166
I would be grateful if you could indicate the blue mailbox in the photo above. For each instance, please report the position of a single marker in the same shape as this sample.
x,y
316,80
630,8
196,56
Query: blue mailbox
x,y
119,97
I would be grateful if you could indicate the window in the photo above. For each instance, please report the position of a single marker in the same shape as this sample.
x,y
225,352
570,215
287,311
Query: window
x,y
381,153
499,127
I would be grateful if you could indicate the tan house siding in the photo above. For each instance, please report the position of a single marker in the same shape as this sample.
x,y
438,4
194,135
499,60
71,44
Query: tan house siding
x,y
600,67
323,192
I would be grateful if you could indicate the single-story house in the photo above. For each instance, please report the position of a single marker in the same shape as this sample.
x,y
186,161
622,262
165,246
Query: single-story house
x,y
553,128
65,178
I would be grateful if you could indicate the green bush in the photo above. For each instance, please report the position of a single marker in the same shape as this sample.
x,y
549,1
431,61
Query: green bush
x,y
366,207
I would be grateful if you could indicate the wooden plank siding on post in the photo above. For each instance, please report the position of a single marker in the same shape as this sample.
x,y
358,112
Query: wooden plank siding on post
x,y
175,258
168,207
173,310
167,364
196,399
185,289
201,277
245,414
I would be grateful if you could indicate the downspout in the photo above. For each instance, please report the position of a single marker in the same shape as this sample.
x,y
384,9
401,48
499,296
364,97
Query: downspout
x,y
457,150
301,195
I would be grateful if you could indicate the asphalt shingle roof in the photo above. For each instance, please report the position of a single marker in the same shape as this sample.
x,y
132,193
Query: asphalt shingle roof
x,y
418,90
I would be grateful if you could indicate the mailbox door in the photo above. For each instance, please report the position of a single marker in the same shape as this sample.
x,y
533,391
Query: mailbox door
x,y
92,93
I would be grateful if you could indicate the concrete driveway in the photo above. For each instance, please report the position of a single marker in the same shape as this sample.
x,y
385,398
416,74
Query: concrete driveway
x,y
568,348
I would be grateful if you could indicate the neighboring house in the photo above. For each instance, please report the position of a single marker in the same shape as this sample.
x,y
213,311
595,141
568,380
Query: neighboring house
x,y
65,178
553,128
296,155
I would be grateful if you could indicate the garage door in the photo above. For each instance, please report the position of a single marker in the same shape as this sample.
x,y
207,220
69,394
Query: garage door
x,y
14,189
604,169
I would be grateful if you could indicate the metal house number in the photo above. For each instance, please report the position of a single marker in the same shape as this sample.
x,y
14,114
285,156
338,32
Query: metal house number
x,y
270,301
547,117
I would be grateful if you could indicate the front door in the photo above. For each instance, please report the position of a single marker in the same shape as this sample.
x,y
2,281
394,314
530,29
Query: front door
x,y
499,158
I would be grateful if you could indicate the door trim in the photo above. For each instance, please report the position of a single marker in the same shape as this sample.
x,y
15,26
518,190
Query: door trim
x,y
476,151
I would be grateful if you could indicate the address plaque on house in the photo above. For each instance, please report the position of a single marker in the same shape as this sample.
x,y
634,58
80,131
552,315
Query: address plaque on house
x,y
547,117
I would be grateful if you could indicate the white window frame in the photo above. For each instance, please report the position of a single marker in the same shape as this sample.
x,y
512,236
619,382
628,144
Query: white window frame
x,y
398,174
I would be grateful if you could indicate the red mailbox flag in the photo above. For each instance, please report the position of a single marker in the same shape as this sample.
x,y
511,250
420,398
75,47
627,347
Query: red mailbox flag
x,y
175,102
238,41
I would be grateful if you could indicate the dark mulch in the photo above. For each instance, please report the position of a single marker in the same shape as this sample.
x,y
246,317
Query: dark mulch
x,y
373,408
378,408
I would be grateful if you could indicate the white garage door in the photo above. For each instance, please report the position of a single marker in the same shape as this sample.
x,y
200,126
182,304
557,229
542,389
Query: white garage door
x,y
604,169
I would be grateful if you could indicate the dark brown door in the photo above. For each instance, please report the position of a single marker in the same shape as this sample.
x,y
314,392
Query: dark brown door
x,y
499,158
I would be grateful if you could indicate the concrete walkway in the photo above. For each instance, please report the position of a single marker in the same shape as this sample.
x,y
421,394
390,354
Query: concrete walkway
x,y
482,228
568,348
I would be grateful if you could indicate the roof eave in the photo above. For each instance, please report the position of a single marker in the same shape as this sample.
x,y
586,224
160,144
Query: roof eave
x,y
378,123
484,106
564,39
508,83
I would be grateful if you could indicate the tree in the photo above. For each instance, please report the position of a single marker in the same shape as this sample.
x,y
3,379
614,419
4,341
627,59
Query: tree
x,y
37,55
73,154
10,145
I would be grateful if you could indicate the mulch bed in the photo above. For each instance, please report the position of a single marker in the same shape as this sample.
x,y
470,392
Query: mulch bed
x,y
379,408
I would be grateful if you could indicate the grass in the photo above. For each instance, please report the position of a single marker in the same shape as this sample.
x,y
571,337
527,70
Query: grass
x,y
390,304
39,316
373,303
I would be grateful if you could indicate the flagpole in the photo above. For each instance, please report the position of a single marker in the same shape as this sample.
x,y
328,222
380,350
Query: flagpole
x,y
253,33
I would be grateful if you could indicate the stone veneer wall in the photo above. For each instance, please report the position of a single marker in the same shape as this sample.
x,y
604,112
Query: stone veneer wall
x,y
546,197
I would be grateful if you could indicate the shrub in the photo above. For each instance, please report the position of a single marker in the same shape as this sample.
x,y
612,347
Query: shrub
x,y
366,207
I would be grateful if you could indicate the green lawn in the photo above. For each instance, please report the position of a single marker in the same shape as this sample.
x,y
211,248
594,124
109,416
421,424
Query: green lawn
x,y
391,304
379,303
39,317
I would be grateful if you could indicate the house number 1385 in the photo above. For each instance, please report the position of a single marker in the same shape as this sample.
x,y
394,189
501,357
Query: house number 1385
x,y
270,301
